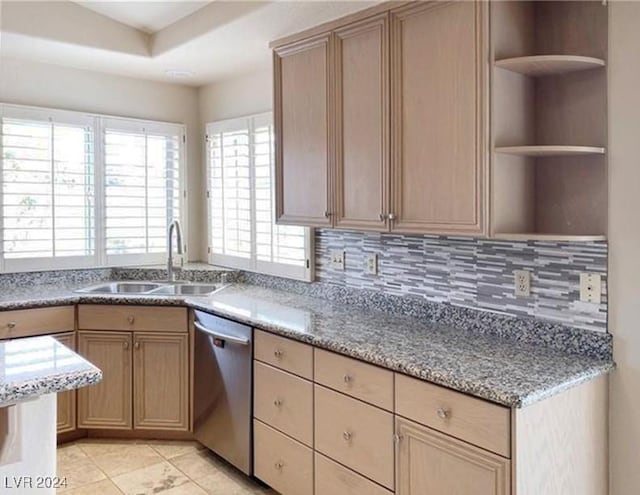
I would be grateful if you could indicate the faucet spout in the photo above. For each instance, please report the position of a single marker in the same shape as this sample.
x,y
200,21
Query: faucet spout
x,y
173,226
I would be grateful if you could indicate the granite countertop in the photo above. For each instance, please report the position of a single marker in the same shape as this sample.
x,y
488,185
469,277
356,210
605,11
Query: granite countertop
x,y
501,370
35,366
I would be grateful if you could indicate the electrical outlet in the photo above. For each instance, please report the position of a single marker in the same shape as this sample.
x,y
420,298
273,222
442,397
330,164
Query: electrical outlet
x,y
591,288
337,260
522,283
371,264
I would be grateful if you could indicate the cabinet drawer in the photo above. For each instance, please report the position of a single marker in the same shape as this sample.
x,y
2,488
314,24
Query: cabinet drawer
x,y
283,401
476,421
355,434
285,354
355,378
39,321
132,318
332,478
282,463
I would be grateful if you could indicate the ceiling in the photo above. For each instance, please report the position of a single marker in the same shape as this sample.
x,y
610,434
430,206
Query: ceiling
x,y
208,40
149,17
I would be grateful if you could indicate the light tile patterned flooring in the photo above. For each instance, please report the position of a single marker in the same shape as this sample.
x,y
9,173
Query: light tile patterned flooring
x,y
142,467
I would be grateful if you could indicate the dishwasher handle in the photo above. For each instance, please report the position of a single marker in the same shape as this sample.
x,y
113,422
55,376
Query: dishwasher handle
x,y
222,336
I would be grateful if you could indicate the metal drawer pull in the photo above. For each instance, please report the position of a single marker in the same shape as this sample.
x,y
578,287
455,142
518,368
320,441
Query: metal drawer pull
x,y
278,353
347,435
279,465
131,319
444,413
11,325
347,379
221,336
277,402
391,216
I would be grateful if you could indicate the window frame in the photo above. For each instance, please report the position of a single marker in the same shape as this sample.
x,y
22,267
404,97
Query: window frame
x,y
97,121
252,264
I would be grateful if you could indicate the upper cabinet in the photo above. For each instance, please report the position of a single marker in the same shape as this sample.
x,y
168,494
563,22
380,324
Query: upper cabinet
x,y
380,121
438,59
303,117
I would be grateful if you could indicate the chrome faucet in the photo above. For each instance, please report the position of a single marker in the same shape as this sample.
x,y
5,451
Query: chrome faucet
x,y
175,225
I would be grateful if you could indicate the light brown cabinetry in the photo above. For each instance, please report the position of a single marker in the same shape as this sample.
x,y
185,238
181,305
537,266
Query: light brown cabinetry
x,y
408,126
161,392
107,404
38,321
303,116
430,462
145,383
66,401
332,478
437,117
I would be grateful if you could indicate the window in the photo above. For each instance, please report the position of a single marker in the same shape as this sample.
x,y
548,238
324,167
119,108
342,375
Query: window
x,y
85,190
242,232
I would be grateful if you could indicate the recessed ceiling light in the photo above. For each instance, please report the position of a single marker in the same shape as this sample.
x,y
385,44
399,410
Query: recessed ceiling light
x,y
179,74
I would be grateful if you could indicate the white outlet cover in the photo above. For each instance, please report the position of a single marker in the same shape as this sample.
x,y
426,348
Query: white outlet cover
x,y
522,283
591,288
337,260
371,264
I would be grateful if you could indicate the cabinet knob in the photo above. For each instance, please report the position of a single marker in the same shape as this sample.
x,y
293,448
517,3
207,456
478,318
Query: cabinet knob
x,y
391,216
327,214
277,402
278,353
347,379
125,345
397,438
279,465
131,319
443,413
347,435
11,325
382,217
137,345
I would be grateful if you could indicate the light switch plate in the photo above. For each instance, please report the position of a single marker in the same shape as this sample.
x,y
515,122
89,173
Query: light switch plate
x,y
591,288
522,283
371,264
337,260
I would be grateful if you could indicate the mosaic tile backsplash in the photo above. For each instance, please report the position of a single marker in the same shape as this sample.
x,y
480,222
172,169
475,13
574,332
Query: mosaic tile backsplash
x,y
474,273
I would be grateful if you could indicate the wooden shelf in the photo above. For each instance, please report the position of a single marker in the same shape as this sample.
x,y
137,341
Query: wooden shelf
x,y
547,65
537,236
550,150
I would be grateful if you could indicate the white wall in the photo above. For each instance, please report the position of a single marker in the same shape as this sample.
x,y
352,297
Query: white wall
x,y
31,83
624,235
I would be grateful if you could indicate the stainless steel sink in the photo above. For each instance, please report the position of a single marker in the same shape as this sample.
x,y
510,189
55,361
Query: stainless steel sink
x,y
151,288
121,288
186,289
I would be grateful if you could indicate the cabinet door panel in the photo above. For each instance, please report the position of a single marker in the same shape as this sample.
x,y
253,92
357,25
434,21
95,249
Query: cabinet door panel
x,y
66,401
161,384
107,404
437,118
362,125
430,462
302,116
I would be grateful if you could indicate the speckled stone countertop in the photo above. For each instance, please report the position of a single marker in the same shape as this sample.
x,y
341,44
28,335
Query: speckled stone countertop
x,y
36,366
500,370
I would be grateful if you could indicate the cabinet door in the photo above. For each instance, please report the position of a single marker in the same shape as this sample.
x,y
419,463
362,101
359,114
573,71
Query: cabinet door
x,y
108,404
66,401
161,384
302,103
430,462
362,125
438,67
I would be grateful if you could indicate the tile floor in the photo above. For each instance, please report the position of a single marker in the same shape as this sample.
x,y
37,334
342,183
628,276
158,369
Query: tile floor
x,y
142,467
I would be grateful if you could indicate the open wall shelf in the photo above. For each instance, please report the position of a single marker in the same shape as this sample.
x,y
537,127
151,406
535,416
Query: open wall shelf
x,y
546,65
549,120
550,150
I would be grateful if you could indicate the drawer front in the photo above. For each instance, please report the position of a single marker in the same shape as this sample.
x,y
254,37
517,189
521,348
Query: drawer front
x,y
286,354
132,318
282,463
475,421
38,321
332,479
284,402
355,434
355,378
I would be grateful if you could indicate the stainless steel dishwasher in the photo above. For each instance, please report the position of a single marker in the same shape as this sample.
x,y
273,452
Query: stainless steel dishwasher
x,y
223,380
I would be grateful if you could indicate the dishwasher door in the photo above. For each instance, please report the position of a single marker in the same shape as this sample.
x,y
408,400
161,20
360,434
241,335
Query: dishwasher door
x,y
223,381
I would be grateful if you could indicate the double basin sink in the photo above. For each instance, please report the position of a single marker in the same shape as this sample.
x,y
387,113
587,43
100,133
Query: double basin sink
x,y
152,288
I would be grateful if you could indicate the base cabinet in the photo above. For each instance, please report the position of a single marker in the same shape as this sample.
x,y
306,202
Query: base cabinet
x,y
145,381
430,462
66,401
